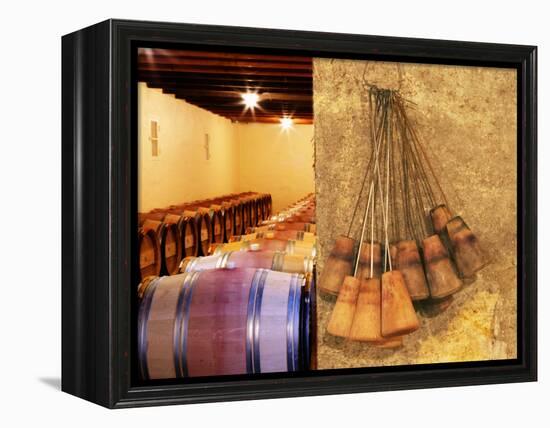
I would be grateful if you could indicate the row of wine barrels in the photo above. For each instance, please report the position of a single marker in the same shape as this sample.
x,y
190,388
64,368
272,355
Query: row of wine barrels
x,y
302,211
284,225
224,221
298,235
192,230
300,216
223,322
227,215
274,260
169,242
252,206
258,206
185,229
289,246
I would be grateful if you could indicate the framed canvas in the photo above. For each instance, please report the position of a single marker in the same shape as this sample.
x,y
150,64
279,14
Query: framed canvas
x,y
253,213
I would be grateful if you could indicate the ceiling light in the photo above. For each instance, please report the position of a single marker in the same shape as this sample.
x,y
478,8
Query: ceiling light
x,y
250,99
286,123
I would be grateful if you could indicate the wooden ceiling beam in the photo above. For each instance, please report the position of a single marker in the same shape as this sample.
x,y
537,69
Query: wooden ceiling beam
x,y
215,82
237,101
222,87
208,62
265,96
277,113
229,79
260,112
274,113
273,121
257,73
177,53
238,106
248,116
167,76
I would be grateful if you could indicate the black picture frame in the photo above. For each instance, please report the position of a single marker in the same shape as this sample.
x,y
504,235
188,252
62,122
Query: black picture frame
x,y
99,214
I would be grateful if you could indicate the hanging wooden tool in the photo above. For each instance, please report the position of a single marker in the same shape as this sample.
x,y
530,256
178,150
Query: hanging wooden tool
x,y
410,257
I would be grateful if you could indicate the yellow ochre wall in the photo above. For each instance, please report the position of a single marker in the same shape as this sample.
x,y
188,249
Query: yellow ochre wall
x,y
243,157
181,172
276,161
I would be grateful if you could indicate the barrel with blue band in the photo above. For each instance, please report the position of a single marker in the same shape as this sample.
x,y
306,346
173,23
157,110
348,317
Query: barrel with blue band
x,y
221,322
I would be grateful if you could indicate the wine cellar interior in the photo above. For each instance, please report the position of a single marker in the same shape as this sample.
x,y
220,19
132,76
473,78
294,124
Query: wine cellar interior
x,y
377,231
226,213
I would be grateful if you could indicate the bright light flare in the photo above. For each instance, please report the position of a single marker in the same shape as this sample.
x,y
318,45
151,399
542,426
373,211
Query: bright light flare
x,y
250,100
286,123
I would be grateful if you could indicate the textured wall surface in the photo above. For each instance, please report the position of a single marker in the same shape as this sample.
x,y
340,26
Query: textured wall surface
x,y
466,117
275,161
181,172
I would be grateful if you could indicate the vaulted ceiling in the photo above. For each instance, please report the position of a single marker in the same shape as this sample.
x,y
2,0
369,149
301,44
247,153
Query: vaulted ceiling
x,y
216,81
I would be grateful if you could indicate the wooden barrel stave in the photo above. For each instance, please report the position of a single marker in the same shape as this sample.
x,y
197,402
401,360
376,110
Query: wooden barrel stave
x,y
289,246
246,220
203,230
228,222
274,260
149,254
297,235
171,250
218,227
238,219
226,217
170,245
221,322
220,302
187,233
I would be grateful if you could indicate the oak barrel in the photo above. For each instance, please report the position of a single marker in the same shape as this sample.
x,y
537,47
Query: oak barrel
x,y
268,205
228,222
246,219
297,235
221,322
187,232
274,260
202,228
152,215
216,222
260,208
218,226
289,246
238,218
254,217
292,225
149,254
226,213
170,244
